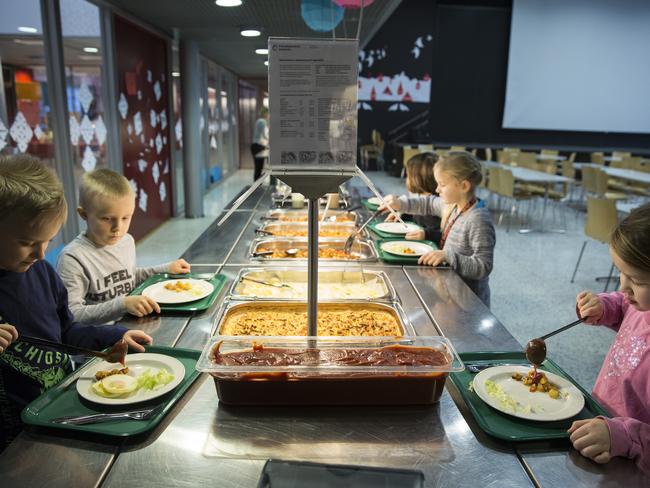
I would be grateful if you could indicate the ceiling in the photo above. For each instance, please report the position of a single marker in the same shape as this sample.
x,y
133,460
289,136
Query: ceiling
x,y
217,28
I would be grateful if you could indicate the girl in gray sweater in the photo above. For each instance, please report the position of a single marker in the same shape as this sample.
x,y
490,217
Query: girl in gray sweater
x,y
468,236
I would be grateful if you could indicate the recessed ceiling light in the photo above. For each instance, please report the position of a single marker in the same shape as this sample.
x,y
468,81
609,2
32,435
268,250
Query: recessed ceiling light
x,y
91,50
266,63
228,3
250,32
28,30
261,51
175,74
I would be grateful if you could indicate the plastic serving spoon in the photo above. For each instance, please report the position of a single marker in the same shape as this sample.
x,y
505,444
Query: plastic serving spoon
x,y
536,348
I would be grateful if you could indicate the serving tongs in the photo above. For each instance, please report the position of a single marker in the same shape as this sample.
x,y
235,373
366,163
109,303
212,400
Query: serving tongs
x,y
350,240
115,355
267,283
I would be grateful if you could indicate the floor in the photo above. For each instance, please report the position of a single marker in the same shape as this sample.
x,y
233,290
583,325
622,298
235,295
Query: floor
x,y
530,282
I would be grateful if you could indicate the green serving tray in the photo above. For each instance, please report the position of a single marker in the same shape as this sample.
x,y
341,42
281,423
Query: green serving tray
x,y
370,206
387,235
393,258
511,428
63,399
217,281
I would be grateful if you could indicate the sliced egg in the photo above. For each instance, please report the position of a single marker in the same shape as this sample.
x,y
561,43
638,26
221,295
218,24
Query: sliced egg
x,y
120,384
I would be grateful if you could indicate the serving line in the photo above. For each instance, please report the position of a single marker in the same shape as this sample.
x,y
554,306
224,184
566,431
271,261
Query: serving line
x,y
207,441
534,177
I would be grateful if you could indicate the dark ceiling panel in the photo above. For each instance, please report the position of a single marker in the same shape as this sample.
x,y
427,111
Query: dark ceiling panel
x,y
217,28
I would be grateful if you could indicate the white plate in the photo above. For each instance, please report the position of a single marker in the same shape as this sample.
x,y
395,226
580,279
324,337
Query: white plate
x,y
397,227
157,291
544,408
137,363
396,247
374,201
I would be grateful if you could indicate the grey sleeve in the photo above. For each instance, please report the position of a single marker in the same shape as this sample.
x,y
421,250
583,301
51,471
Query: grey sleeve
x,y
142,274
422,205
478,264
76,282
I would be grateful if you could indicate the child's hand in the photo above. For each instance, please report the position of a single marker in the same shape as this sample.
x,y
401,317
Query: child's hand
x,y
589,307
180,266
392,201
433,258
415,235
391,217
134,338
591,438
8,334
140,305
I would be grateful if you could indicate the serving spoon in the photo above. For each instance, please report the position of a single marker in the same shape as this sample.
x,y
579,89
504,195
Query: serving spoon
x,y
115,355
536,348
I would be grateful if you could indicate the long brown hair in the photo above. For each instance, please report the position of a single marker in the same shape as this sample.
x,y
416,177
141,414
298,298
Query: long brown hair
x,y
631,238
419,173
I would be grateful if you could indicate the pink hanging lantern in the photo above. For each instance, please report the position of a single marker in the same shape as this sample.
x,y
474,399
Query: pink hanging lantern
x,y
353,3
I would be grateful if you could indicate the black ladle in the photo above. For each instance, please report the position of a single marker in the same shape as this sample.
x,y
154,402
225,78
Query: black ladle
x,y
115,355
536,348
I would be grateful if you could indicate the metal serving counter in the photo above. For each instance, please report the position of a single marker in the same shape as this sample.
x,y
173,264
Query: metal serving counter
x,y
204,443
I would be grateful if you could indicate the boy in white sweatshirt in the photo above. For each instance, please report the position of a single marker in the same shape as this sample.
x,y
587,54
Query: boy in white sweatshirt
x,y
98,266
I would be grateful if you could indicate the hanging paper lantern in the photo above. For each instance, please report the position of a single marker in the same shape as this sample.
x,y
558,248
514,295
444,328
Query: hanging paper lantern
x,y
353,3
321,15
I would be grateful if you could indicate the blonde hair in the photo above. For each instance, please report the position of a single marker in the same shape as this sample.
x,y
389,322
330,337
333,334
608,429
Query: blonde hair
x,y
30,188
631,238
462,166
419,173
102,182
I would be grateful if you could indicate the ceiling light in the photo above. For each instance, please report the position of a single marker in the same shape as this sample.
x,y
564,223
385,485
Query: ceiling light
x,y
29,42
250,32
266,63
28,30
91,50
228,3
175,74
262,51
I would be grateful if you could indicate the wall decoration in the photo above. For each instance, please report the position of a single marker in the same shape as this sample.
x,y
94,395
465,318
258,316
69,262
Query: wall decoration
x,y
75,132
89,160
3,135
123,106
21,132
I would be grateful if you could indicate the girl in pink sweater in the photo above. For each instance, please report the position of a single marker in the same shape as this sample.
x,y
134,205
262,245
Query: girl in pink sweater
x,y
623,384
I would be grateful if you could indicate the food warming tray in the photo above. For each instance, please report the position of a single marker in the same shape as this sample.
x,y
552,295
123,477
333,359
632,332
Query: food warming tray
x,y
289,229
351,280
325,371
230,309
289,215
362,250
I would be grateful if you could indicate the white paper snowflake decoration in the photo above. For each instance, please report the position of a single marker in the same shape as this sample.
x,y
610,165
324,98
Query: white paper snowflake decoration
x,y
163,119
123,106
164,140
129,129
139,94
89,161
87,130
162,191
134,185
137,123
178,131
149,76
166,168
74,130
213,143
85,97
142,165
159,144
142,202
100,130
38,132
21,132
155,172
157,91
142,138
153,118
3,135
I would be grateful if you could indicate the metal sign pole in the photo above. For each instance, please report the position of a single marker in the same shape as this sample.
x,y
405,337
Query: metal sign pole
x,y
312,268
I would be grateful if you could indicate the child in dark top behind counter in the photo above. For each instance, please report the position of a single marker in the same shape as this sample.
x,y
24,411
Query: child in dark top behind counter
x,y
33,300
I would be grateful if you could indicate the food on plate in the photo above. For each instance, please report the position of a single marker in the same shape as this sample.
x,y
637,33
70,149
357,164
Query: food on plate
x,y
179,286
122,384
326,252
333,321
536,351
537,381
118,352
101,374
369,289
402,249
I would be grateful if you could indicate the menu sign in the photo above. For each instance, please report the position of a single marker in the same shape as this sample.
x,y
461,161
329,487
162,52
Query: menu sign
x,y
313,104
